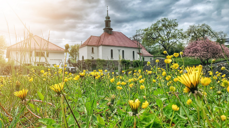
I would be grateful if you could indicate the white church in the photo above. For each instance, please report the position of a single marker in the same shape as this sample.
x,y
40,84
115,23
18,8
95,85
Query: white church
x,y
111,45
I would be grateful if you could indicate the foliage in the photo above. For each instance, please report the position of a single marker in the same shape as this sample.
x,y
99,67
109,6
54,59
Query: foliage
x,y
125,63
205,49
93,100
195,32
164,32
74,52
100,63
137,63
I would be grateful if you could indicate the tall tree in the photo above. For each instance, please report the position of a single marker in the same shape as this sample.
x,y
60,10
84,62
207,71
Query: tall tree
x,y
74,52
196,32
164,32
2,45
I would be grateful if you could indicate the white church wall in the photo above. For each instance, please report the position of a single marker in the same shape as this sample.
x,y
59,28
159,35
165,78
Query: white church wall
x,y
91,54
148,58
83,52
128,53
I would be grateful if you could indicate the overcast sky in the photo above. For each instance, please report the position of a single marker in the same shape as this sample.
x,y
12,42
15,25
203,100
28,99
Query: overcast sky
x,y
73,21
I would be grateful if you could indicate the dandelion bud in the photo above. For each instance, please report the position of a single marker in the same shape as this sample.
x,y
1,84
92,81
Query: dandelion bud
x,y
219,93
66,47
148,63
144,97
109,103
18,84
181,53
172,89
113,97
213,60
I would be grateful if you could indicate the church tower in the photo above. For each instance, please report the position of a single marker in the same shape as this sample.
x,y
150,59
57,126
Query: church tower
x,y
108,28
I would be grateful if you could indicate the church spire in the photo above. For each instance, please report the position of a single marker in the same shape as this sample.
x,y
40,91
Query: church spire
x,y
108,28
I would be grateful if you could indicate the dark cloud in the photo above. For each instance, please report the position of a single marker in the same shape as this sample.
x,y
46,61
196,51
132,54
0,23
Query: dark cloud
x,y
73,21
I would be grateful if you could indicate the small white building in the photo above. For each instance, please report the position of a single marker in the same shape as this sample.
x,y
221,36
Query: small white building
x,y
111,45
35,51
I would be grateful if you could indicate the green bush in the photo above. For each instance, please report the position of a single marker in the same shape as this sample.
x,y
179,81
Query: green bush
x,y
137,63
125,63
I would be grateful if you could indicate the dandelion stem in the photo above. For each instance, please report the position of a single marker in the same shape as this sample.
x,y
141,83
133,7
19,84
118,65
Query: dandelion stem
x,y
171,119
71,110
184,111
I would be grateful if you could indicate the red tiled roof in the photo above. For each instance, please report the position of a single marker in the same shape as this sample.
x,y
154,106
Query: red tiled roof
x,y
43,45
115,39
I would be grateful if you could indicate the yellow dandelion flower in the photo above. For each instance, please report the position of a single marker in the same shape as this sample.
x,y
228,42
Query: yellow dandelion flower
x,y
175,66
82,74
223,75
134,105
163,73
189,102
42,71
154,80
175,107
57,87
21,94
192,78
131,85
205,81
77,77
176,54
123,83
112,80
186,90
165,52
175,79
31,80
157,61
223,117
119,88
225,83
145,104
168,78
118,83
223,68
148,63
142,87
167,61
141,81
172,88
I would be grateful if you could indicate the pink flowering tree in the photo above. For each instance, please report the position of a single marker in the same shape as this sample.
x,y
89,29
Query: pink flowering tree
x,y
205,49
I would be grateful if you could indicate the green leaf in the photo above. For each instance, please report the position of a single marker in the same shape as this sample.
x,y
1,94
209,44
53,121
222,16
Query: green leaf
x,y
100,120
159,103
31,105
40,95
1,123
47,121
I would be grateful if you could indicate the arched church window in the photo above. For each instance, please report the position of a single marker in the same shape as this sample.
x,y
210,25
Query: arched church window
x,y
92,50
133,56
111,53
